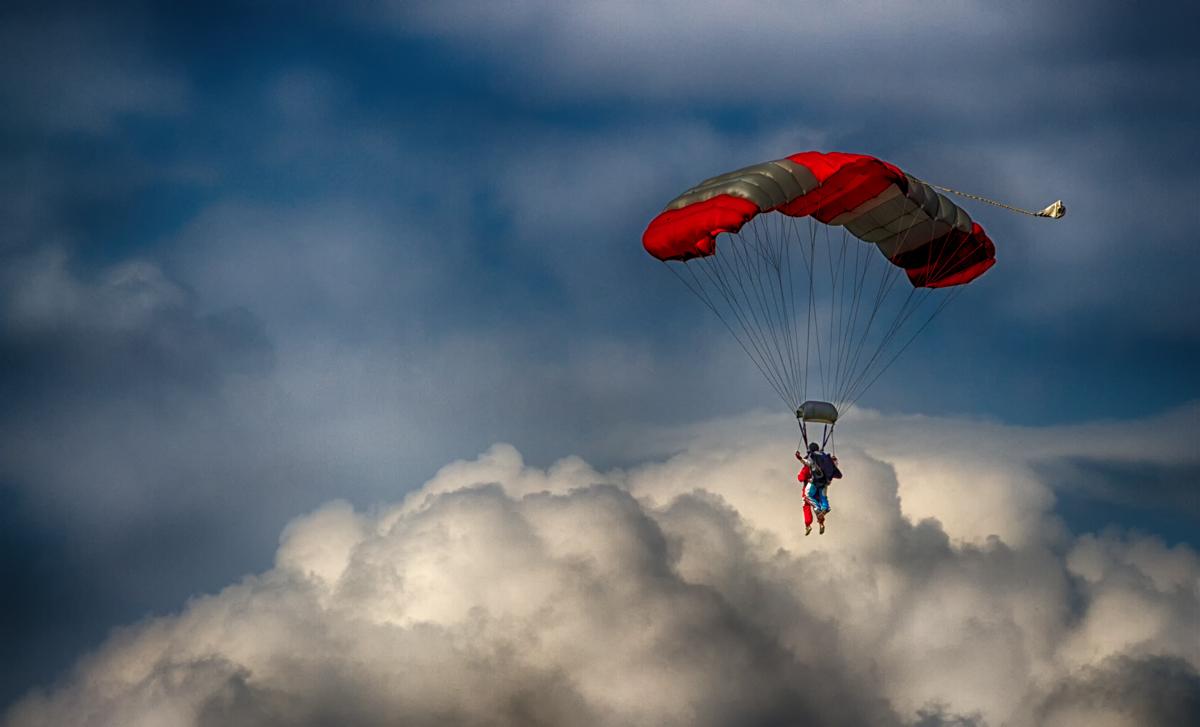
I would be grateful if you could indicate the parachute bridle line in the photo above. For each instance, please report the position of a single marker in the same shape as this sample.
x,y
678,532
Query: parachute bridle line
x,y
1054,211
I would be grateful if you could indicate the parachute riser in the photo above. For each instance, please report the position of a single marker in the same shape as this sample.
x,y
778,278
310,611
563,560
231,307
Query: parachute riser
x,y
826,436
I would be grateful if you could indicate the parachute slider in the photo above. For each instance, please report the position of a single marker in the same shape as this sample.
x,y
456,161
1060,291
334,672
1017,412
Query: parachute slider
x,y
820,412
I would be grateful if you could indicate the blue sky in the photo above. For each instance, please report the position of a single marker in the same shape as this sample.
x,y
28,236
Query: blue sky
x,y
255,257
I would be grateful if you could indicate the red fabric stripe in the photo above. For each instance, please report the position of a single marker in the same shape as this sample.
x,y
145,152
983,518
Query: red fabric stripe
x,y
824,165
690,232
953,259
854,180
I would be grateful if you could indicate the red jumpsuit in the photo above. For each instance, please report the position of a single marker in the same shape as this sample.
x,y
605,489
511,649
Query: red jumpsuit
x,y
808,513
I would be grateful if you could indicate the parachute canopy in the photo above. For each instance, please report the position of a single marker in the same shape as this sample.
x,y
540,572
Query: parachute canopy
x,y
800,258
916,228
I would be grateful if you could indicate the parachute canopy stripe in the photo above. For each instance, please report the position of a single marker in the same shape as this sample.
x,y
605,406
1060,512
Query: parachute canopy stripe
x,y
953,259
915,227
699,223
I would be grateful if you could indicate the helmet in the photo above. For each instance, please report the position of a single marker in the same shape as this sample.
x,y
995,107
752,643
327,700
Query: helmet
x,y
813,446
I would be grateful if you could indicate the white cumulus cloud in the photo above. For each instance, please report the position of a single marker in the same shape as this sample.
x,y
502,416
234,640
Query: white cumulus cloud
x,y
681,592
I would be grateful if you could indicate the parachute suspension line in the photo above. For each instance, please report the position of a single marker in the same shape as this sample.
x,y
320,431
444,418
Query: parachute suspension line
x,y
939,266
888,278
907,309
851,351
839,350
806,245
776,243
906,314
834,290
800,361
848,319
767,298
783,232
887,284
699,291
774,233
810,337
814,231
787,302
726,277
851,391
756,311
790,235
945,302
835,303
760,360
1054,211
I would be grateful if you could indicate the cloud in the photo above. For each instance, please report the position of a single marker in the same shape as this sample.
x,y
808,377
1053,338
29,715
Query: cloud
x,y
679,592
332,322
978,61
81,72
109,377
705,50
117,324
1155,691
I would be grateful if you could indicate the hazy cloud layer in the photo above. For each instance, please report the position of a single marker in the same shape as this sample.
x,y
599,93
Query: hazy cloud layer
x,y
674,593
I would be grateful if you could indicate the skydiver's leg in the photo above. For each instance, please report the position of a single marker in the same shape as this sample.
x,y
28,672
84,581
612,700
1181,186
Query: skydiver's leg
x,y
822,508
808,508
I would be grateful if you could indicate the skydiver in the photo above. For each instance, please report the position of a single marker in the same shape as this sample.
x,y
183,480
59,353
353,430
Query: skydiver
x,y
819,470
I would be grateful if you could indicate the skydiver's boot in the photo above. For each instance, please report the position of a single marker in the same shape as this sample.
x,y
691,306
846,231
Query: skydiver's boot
x,y
807,529
822,527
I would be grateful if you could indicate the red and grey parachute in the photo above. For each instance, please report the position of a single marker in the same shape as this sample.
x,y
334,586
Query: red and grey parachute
x,y
818,310
915,227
